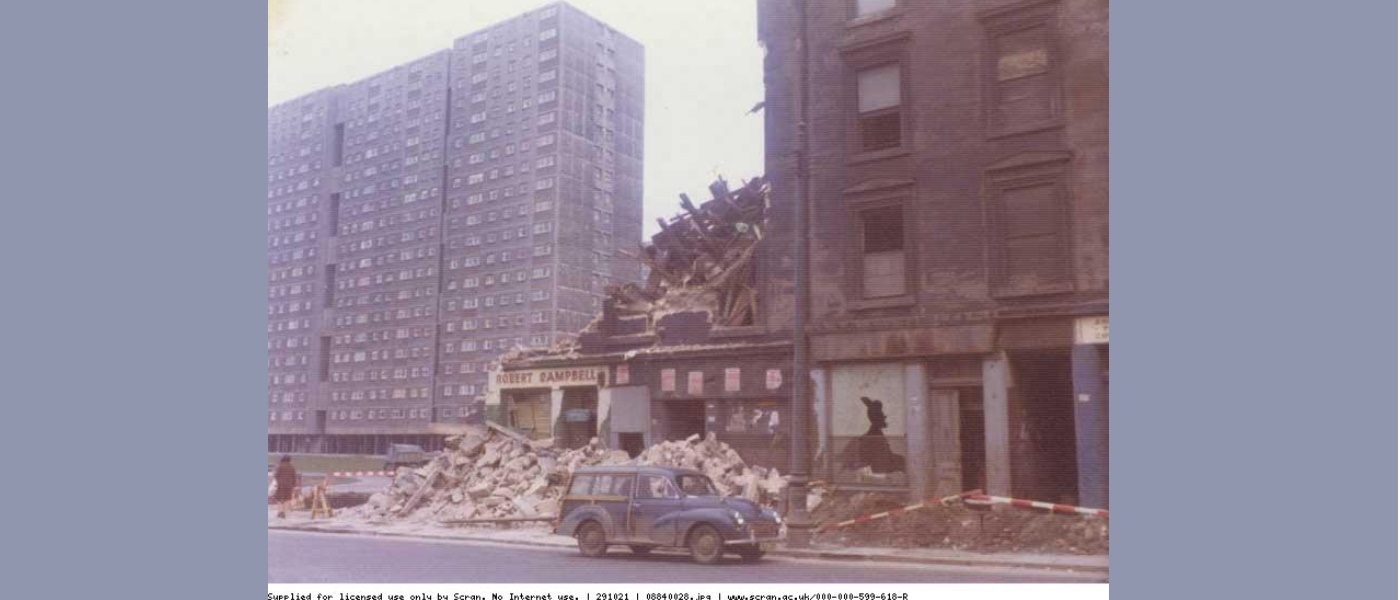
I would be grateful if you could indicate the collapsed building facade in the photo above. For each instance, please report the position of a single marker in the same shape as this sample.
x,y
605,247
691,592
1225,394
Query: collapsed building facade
x,y
685,354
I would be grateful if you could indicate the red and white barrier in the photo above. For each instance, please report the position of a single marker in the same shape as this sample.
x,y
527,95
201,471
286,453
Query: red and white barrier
x,y
362,474
975,498
1061,509
892,512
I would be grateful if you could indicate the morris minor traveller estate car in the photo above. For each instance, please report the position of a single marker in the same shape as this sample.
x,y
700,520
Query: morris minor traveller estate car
x,y
644,507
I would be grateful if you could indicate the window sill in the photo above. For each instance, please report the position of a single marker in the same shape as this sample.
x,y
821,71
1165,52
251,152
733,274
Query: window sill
x,y
889,302
877,155
1028,129
1044,290
736,332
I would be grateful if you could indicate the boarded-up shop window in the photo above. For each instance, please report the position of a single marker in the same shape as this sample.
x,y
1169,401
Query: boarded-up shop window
x,y
883,253
878,102
868,443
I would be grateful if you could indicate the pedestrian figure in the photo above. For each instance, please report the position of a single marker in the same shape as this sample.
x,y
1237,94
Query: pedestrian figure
x,y
287,480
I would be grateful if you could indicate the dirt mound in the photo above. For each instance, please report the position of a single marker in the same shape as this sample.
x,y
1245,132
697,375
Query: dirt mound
x,y
959,527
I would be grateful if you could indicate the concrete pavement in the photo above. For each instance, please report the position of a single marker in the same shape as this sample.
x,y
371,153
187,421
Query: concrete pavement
x,y
304,557
541,537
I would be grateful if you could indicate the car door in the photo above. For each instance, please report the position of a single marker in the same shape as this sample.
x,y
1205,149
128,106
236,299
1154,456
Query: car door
x,y
613,493
656,497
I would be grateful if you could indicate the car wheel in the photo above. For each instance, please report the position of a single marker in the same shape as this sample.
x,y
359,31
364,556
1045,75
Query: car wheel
x,y
640,550
706,545
750,553
592,540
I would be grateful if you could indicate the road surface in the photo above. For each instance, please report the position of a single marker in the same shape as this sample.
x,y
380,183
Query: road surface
x,y
302,557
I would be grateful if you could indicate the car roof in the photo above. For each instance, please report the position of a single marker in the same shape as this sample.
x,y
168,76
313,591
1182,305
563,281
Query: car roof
x,y
638,469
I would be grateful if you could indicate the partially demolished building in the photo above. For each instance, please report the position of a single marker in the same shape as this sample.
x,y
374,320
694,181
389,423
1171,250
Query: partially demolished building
x,y
682,355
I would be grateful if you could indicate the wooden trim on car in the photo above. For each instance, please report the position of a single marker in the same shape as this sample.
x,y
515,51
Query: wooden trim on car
x,y
593,498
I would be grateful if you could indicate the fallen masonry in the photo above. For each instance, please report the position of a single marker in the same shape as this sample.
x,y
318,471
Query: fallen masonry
x,y
488,474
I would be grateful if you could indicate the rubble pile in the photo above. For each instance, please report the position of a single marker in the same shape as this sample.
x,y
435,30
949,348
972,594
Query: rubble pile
x,y
957,527
703,258
496,474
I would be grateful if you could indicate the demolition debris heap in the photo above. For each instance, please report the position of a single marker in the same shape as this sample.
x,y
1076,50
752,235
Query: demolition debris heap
x,y
703,258
494,474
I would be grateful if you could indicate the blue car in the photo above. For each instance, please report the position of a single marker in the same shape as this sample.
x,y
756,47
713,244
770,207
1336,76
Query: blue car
x,y
662,507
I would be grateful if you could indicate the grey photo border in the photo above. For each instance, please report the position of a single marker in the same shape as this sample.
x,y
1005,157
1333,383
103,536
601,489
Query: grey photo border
x,y
1253,206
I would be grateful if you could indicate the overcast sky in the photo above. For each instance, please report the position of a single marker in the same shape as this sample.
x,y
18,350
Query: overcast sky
x,y
704,70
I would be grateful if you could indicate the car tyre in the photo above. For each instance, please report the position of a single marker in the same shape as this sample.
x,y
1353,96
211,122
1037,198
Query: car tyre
x,y
592,540
750,553
706,545
640,550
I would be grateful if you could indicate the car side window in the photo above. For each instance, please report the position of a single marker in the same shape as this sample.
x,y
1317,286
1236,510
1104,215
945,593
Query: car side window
x,y
582,485
656,487
694,486
622,486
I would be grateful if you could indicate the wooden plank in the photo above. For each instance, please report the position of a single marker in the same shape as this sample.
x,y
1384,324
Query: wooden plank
x,y
423,489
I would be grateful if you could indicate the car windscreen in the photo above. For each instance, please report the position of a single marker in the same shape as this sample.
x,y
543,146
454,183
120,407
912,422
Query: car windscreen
x,y
697,485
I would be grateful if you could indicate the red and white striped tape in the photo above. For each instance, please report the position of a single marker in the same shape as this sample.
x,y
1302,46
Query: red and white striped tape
x,y
894,512
362,474
1062,509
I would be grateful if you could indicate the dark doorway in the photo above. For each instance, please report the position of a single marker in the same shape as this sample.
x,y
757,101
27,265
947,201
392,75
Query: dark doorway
x,y
972,428
580,416
686,419
1045,462
631,443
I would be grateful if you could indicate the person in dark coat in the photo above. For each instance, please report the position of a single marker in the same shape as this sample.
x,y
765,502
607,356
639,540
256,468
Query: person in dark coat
x,y
287,479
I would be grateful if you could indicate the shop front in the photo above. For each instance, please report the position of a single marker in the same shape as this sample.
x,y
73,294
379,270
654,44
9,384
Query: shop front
x,y
744,400
561,402
1019,408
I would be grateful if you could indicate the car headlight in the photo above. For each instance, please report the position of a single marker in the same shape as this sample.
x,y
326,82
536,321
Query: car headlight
x,y
738,518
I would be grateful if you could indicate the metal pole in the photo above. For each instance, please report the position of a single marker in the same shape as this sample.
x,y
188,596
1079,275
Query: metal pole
x,y
799,521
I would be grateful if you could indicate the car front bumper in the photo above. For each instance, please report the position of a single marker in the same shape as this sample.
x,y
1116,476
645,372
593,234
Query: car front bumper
x,y
751,541
769,535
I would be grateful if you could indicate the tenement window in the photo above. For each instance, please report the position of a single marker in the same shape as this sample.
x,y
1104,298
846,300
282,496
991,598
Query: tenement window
x,y
878,103
883,252
870,7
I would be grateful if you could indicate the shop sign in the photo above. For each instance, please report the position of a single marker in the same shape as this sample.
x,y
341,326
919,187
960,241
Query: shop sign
x,y
668,380
731,379
538,378
577,415
774,379
695,383
1091,330
623,376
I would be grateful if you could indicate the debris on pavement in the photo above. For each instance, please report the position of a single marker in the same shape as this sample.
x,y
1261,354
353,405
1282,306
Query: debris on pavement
x,y
955,527
490,474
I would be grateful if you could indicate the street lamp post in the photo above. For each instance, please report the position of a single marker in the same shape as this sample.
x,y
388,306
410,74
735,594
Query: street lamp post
x,y
799,521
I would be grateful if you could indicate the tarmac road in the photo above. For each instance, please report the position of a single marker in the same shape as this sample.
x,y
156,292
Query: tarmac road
x,y
302,557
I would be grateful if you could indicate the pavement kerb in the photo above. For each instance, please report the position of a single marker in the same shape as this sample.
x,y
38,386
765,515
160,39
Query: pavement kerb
x,y
789,552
